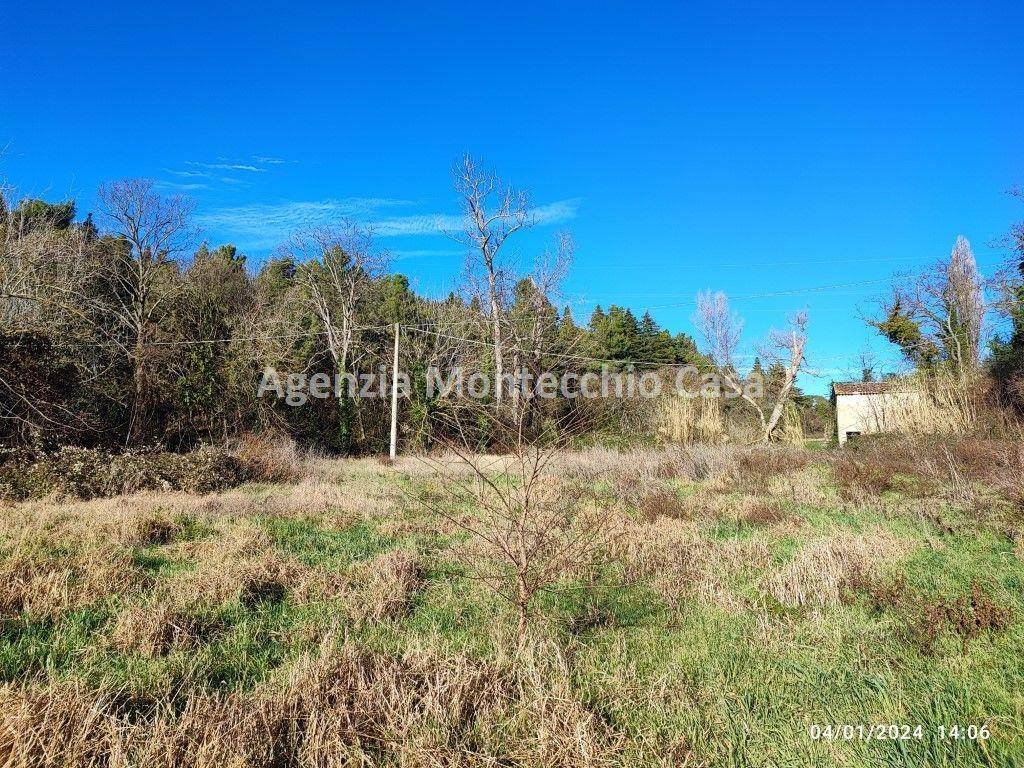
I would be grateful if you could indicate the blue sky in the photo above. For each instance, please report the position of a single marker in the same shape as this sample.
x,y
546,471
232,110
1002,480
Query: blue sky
x,y
756,150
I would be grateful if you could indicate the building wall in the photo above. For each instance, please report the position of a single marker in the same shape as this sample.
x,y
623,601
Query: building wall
x,y
867,414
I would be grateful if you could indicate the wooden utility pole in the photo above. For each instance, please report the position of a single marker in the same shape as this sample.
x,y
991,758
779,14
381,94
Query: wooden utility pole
x,y
394,400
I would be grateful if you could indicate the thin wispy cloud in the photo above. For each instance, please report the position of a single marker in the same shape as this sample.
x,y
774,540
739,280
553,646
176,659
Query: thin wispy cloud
x,y
227,166
177,186
187,174
256,164
215,171
426,253
417,224
265,225
557,212
441,223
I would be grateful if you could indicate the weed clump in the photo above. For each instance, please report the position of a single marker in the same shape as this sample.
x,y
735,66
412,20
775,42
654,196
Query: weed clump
x,y
39,584
879,465
976,614
240,565
158,628
756,466
926,619
763,513
924,466
151,530
391,582
662,503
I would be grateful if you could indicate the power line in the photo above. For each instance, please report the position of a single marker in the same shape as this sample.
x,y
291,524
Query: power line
x,y
274,337
422,326
228,339
741,265
425,328
817,289
585,358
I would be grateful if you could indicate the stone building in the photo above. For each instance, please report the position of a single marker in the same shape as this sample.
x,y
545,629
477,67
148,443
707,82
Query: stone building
x,y
868,407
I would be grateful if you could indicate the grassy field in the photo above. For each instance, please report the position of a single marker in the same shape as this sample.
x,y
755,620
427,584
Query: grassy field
x,y
747,599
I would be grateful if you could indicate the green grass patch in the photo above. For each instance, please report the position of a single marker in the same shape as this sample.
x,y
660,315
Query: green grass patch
x,y
317,544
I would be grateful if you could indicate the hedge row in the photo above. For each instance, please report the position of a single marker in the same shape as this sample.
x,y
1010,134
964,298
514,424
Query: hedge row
x,y
87,473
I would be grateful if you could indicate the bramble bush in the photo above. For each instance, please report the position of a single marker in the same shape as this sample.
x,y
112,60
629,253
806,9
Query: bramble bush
x,y
87,473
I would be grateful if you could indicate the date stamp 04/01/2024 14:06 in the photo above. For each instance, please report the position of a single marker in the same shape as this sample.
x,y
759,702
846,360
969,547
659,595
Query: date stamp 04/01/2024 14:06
x,y
897,732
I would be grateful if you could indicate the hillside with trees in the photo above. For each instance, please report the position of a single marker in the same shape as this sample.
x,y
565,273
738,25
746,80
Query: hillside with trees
x,y
118,332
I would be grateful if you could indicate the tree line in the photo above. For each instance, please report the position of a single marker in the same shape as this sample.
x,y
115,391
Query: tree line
x,y
115,331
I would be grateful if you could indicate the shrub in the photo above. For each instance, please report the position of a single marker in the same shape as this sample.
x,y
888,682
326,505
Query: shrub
x,y
876,464
269,458
203,471
87,473
922,466
18,481
855,476
534,527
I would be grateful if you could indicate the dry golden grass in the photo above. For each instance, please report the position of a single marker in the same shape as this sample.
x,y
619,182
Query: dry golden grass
x,y
763,512
342,706
940,402
38,585
389,582
961,470
152,518
269,458
378,651
809,486
159,626
681,562
687,419
823,569
662,503
239,564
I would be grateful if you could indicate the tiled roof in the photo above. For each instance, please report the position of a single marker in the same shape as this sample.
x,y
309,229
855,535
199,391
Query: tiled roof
x,y
863,387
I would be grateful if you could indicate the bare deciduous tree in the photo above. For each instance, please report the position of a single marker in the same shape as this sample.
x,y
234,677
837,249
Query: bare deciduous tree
x,y
493,212
336,267
723,329
962,296
532,325
529,526
155,230
786,348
